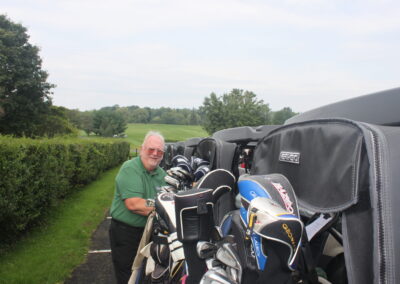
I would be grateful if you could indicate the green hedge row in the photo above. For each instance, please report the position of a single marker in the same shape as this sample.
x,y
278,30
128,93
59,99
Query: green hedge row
x,y
35,174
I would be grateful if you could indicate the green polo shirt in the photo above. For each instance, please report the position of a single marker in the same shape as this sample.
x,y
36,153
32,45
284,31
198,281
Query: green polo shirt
x,y
133,180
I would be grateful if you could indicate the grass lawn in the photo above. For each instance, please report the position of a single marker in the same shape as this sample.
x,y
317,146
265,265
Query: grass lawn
x,y
137,131
171,132
49,253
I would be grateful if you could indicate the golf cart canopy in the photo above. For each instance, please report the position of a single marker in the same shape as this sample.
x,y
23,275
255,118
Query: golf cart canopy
x,y
380,108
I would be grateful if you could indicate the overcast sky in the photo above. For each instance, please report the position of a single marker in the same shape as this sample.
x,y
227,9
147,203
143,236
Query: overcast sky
x,y
297,53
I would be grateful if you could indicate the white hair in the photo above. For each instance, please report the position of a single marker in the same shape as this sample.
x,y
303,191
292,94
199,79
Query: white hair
x,y
153,133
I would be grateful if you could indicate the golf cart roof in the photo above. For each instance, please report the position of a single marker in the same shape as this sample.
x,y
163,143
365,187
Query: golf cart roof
x,y
378,108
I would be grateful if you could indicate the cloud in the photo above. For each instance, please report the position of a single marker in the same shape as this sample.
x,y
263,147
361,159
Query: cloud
x,y
298,53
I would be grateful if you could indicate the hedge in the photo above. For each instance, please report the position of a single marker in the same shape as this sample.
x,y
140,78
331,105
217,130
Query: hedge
x,y
36,174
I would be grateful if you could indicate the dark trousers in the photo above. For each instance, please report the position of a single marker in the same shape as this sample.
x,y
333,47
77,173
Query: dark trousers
x,y
124,241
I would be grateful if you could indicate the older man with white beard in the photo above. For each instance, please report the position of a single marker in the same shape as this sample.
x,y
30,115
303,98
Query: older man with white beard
x,y
135,183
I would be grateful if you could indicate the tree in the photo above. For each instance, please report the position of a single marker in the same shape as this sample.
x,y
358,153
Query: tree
x,y
87,121
55,123
24,90
238,108
129,113
140,115
108,123
279,117
193,117
212,111
173,117
81,120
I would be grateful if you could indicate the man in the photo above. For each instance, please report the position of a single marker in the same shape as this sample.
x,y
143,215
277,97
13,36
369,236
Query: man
x,y
135,183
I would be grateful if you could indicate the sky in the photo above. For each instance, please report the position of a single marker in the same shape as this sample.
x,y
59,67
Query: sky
x,y
171,53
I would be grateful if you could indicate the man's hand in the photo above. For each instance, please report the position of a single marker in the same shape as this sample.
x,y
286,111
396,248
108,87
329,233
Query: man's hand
x,y
138,206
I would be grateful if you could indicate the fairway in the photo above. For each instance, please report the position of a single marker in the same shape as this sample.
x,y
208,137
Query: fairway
x,y
172,133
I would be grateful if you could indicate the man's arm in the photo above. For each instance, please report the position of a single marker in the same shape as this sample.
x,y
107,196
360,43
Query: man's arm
x,y
138,206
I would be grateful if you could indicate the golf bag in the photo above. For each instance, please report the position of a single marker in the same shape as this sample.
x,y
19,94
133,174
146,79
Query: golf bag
x,y
182,219
190,146
223,184
193,210
165,249
171,150
348,168
222,156
268,228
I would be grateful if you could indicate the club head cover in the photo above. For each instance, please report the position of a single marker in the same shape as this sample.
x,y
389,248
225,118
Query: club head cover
x,y
276,224
274,186
182,162
160,253
178,158
200,172
197,162
165,208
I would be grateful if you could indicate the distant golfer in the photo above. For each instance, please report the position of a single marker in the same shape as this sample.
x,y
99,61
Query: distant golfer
x,y
136,182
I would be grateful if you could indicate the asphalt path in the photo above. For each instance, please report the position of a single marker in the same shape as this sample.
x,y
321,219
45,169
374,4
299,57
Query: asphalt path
x,y
98,267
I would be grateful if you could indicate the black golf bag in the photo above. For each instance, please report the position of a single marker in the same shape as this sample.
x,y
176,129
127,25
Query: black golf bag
x,y
166,250
193,209
197,215
223,156
349,169
190,146
182,219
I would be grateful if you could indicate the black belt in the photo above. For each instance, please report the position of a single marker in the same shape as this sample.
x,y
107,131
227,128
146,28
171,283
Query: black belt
x,y
126,226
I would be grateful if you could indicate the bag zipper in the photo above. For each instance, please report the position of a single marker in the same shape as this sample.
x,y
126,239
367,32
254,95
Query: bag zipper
x,y
378,188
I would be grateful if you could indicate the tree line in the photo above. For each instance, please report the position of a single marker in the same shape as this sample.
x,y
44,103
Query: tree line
x,y
111,120
237,108
26,107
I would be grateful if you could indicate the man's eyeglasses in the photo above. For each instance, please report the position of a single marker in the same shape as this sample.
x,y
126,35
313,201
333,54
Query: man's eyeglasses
x,y
155,151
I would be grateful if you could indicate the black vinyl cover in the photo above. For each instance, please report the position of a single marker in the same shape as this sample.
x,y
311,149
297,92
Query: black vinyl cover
x,y
219,153
190,146
194,214
322,162
192,142
223,184
220,180
339,165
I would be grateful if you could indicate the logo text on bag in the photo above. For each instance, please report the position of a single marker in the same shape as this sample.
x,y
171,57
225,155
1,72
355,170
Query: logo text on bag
x,y
289,234
289,157
285,197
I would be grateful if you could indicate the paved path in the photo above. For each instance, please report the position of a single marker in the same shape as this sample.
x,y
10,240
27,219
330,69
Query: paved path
x,y
98,267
